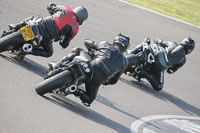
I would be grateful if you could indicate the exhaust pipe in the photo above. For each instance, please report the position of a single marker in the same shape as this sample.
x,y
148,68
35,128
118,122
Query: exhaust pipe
x,y
27,48
72,88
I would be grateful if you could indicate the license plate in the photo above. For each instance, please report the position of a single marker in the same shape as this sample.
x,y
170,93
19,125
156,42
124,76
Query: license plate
x,y
27,33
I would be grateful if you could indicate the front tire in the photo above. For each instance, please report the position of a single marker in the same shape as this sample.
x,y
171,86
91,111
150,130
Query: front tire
x,y
13,39
54,82
156,88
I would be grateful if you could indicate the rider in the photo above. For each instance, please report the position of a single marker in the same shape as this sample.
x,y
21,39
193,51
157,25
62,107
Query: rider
x,y
108,63
171,58
62,25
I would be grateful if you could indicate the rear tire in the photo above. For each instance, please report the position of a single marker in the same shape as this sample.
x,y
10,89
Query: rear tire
x,y
13,39
53,82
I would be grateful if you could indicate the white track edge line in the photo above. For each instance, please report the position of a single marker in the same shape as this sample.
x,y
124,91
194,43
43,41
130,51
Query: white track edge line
x,y
135,125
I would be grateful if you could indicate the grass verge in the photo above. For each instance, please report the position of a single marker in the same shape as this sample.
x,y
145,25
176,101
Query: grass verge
x,y
186,10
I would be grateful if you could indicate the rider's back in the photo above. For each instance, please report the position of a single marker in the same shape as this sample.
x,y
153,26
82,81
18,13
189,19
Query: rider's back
x,y
109,60
172,54
47,28
175,53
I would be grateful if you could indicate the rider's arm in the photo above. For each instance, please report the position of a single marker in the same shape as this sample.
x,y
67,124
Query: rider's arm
x,y
90,44
53,8
116,77
66,35
69,57
112,80
136,50
139,47
162,43
175,67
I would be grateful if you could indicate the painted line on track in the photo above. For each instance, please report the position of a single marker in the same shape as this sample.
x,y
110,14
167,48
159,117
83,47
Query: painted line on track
x,y
184,125
135,126
181,21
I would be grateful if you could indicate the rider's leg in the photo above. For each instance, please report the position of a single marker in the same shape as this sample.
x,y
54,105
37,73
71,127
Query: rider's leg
x,y
136,50
91,92
45,51
132,61
93,85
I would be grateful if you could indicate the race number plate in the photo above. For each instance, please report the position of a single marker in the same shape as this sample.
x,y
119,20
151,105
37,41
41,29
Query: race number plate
x,y
27,33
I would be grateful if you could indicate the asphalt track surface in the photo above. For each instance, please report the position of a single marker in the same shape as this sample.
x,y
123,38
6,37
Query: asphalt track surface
x,y
116,107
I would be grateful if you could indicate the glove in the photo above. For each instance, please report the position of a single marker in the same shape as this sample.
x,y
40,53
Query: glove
x,y
64,43
89,44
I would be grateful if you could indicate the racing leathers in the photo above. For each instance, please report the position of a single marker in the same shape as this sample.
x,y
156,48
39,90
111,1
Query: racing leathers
x,y
108,64
171,57
62,25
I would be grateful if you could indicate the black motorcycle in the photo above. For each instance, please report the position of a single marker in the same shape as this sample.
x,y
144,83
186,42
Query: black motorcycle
x,y
146,69
21,41
67,77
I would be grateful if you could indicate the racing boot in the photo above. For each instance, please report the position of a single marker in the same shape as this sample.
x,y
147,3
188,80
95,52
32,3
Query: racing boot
x,y
16,26
83,96
13,26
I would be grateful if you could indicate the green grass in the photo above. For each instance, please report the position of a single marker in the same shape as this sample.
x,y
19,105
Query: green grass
x,y
186,10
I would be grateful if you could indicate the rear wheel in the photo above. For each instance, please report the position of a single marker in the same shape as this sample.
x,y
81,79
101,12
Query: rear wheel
x,y
54,82
13,39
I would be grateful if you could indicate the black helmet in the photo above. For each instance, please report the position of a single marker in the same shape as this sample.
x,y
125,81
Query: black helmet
x,y
81,13
188,44
122,41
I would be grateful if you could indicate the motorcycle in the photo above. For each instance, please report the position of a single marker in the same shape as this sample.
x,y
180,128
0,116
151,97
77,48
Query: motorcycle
x,y
67,78
21,41
146,69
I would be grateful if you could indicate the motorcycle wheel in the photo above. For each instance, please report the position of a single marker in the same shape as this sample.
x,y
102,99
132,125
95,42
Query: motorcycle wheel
x,y
13,39
156,88
54,82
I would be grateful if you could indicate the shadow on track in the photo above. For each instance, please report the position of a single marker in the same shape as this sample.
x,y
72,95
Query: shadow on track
x,y
27,64
144,86
86,113
112,105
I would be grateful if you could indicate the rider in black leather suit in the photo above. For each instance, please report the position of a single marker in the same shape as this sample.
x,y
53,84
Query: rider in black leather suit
x,y
171,58
108,64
